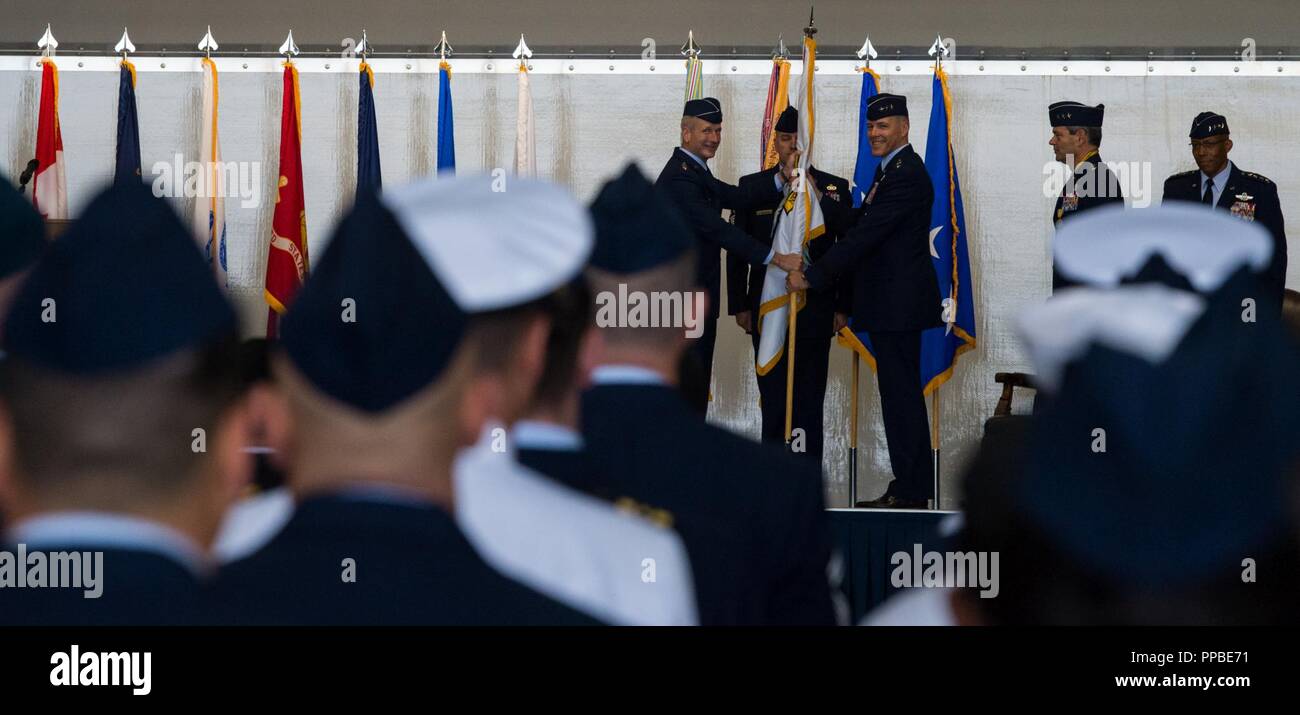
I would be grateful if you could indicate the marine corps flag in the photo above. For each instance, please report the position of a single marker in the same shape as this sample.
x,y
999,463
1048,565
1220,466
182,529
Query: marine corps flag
x,y
210,207
127,166
446,126
778,98
798,221
287,264
940,347
368,173
50,185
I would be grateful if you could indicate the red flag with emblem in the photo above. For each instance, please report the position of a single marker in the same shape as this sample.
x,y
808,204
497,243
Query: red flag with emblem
x,y
286,264
50,185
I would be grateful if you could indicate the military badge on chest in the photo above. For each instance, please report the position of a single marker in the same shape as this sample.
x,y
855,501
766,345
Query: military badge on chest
x,y
1069,202
1243,207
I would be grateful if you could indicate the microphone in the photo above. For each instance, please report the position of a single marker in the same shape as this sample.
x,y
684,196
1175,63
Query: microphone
x,y
26,176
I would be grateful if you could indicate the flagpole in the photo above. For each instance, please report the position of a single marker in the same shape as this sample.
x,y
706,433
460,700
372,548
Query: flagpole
x,y
789,367
853,436
934,440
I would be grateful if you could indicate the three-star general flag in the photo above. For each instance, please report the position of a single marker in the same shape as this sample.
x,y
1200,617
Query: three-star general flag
x,y
778,98
286,262
368,173
50,184
127,166
864,173
940,347
525,137
446,126
798,220
210,206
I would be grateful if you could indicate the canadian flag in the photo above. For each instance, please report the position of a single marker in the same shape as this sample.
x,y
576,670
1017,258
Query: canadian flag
x,y
50,185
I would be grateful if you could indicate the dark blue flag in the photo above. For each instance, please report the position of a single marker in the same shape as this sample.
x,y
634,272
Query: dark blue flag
x,y
368,174
127,168
446,133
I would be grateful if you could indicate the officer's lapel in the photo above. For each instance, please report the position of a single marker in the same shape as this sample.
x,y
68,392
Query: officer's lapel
x,y
1230,191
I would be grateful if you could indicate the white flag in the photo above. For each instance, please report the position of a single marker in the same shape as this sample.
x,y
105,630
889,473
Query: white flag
x,y
210,207
525,139
798,221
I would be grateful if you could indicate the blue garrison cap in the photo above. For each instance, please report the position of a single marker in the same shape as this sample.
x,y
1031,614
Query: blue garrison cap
x,y
22,232
637,227
124,285
1075,114
1199,451
372,325
886,105
707,108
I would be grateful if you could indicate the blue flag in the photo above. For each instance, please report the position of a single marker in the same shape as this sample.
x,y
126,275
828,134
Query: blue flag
x,y
446,133
940,347
863,174
368,174
127,167
865,170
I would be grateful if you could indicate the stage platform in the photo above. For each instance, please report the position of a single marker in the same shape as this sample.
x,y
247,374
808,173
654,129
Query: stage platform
x,y
866,539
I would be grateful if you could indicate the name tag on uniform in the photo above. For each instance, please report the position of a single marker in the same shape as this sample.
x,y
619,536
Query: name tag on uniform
x,y
764,212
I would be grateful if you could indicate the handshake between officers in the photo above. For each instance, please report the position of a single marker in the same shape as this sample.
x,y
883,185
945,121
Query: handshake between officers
x,y
870,270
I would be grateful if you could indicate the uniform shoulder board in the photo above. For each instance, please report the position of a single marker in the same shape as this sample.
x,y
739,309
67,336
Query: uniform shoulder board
x,y
1257,177
659,517
685,167
1185,174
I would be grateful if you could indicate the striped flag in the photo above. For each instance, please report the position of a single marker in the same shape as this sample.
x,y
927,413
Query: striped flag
x,y
778,98
50,185
798,221
940,347
286,262
210,207
525,138
368,172
694,78
446,127
127,166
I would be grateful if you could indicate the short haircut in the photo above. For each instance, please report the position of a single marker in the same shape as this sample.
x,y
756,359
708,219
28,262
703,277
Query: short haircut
x,y
1094,134
570,309
675,277
124,435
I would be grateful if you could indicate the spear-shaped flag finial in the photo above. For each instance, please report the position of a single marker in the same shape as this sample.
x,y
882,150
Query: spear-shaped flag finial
x,y
289,49
47,44
208,44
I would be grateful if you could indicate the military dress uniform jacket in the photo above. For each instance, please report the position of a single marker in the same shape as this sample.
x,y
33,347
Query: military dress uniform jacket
x,y
745,281
139,588
751,516
1101,189
413,566
1250,197
887,253
701,196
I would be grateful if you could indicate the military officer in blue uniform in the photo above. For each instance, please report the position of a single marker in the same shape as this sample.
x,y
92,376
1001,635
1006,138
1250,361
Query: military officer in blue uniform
x,y
751,515
819,320
378,378
700,196
1076,142
1219,183
124,419
885,257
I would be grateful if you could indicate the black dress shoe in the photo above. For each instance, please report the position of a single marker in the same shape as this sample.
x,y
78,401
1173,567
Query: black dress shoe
x,y
890,501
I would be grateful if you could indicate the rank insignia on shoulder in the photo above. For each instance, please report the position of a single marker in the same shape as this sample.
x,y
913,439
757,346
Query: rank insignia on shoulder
x,y
659,517
1257,177
898,162
684,167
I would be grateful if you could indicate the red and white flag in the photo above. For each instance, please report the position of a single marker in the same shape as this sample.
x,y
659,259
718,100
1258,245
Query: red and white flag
x,y
50,185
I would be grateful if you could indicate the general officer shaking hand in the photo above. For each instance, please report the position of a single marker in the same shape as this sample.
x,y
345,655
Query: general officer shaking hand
x,y
700,196
895,292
